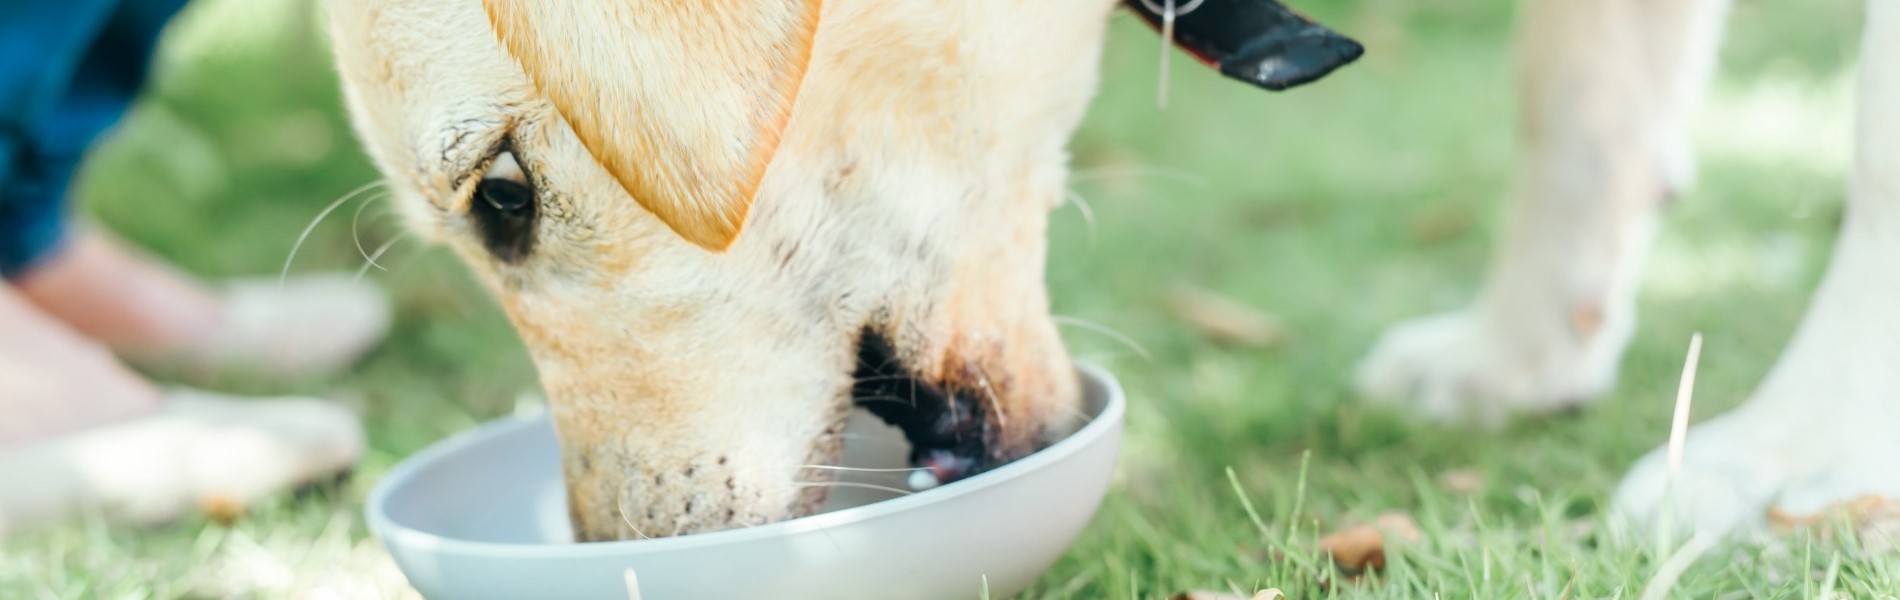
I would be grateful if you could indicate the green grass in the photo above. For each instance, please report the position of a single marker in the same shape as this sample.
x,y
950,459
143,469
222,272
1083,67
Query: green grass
x,y
1341,208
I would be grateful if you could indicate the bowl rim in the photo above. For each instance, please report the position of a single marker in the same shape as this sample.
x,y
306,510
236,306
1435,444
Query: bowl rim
x,y
393,534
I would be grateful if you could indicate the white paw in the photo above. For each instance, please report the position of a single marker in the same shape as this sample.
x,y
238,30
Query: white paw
x,y
1461,367
1723,484
1795,458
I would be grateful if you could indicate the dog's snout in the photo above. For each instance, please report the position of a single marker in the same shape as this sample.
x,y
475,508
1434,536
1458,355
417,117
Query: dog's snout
x,y
948,428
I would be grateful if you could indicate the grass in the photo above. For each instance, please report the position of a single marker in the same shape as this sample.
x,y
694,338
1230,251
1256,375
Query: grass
x,y
1342,208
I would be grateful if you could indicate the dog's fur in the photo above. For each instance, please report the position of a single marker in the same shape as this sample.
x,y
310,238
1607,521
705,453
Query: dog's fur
x,y
907,197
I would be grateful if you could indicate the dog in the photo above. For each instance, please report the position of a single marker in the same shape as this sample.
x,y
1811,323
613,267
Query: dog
x,y
716,224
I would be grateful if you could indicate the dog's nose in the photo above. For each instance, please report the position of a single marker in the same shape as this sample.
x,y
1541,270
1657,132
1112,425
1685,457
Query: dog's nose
x,y
1261,42
948,429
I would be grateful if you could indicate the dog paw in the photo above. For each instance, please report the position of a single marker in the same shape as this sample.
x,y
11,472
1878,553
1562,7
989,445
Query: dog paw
x,y
1724,482
1462,367
1739,469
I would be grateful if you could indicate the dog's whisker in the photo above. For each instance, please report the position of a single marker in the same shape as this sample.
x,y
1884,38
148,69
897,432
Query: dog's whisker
x,y
1104,330
863,469
1088,212
880,378
873,438
912,401
410,259
1078,413
356,220
996,406
285,274
853,484
620,504
1104,356
370,259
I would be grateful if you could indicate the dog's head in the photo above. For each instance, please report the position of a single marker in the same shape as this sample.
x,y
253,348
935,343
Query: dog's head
x,y
717,223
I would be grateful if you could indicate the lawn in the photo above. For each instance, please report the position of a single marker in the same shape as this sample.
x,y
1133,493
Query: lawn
x,y
1340,208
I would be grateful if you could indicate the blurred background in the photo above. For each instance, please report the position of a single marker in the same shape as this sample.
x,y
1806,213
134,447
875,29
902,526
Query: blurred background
x,y
1337,209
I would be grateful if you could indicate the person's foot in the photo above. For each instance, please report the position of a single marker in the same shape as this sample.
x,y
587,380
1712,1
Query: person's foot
x,y
54,381
118,298
198,451
79,431
304,326
155,315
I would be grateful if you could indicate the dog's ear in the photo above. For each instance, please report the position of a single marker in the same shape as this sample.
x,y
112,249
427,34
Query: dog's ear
x,y
683,102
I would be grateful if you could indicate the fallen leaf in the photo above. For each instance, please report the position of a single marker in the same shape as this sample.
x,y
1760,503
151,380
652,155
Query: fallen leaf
x,y
1401,525
222,510
1269,214
1225,319
1874,520
1440,225
1358,548
1859,507
1464,482
1266,594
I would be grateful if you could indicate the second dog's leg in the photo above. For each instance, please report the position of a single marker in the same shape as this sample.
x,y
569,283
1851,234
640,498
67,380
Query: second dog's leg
x,y
1820,429
1606,87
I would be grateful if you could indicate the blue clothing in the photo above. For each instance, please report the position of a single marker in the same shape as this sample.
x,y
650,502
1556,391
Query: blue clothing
x,y
69,69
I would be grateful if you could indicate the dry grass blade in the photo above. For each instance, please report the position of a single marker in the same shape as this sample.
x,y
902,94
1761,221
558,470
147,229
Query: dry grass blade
x,y
1679,561
1677,564
1225,319
1685,394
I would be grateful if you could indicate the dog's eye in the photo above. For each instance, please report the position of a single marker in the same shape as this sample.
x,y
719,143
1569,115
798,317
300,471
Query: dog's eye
x,y
504,209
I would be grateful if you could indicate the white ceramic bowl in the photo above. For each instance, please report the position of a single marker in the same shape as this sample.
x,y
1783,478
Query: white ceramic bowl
x,y
484,515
